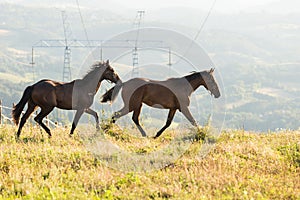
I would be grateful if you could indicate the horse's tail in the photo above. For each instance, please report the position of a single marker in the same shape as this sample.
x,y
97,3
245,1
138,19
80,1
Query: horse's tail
x,y
17,109
111,94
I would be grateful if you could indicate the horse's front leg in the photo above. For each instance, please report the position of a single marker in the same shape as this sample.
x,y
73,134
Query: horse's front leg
x,y
76,119
92,112
186,112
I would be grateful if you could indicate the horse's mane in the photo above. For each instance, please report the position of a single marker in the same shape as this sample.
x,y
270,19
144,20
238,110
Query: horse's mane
x,y
192,76
91,73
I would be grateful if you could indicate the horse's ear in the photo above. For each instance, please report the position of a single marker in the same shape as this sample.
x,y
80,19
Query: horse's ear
x,y
212,70
107,62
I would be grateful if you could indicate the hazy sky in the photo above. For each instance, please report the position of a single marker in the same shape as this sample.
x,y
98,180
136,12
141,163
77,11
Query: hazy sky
x,y
221,5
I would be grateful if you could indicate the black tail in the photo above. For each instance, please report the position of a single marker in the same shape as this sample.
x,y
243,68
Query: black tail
x,y
111,94
17,109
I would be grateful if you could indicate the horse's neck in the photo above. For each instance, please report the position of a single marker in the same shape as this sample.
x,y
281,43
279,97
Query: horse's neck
x,y
196,82
94,87
98,86
91,85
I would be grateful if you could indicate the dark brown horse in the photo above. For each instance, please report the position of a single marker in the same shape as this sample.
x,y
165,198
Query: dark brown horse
x,y
76,95
171,94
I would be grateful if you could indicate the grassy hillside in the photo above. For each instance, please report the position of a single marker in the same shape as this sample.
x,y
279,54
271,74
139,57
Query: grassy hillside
x,y
242,165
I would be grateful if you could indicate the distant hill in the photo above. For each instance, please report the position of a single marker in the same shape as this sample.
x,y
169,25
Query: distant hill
x,y
280,6
256,53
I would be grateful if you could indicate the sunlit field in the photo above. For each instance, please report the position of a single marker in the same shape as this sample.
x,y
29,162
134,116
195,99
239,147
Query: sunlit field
x,y
241,165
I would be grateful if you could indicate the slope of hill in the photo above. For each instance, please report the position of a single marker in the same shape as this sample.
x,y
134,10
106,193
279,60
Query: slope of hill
x,y
242,165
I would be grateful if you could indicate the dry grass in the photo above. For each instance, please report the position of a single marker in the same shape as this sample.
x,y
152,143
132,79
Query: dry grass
x,y
242,165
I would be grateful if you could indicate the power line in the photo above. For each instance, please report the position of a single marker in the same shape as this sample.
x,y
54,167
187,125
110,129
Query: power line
x,y
82,22
204,21
199,30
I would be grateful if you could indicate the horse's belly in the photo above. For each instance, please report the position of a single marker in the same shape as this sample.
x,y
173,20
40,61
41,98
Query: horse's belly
x,y
158,105
164,99
65,106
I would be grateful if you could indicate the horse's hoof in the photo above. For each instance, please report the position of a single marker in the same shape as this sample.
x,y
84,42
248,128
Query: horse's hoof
x,y
112,121
157,135
17,138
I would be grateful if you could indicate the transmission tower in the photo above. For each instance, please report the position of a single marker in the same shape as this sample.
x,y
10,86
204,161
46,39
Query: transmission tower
x,y
135,58
68,42
67,53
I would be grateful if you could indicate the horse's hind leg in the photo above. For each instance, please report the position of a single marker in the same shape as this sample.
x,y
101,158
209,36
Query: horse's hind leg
x,y
120,113
168,123
135,118
39,118
30,109
92,112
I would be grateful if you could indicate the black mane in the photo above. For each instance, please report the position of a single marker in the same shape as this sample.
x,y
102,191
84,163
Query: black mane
x,y
90,74
192,76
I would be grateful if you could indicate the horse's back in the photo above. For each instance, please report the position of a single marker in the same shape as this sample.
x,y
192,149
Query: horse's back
x,y
133,84
44,92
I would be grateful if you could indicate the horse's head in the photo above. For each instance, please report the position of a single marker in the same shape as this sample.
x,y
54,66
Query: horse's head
x,y
210,84
109,73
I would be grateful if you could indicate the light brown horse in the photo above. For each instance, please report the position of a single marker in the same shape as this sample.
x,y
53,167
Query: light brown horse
x,y
76,95
172,94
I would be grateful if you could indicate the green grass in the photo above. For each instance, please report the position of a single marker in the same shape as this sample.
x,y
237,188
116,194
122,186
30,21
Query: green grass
x,y
242,165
